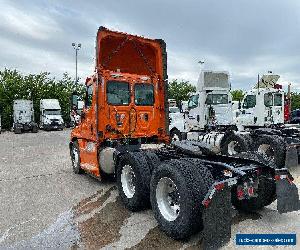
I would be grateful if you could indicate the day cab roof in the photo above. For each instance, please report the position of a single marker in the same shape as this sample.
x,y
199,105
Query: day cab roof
x,y
126,53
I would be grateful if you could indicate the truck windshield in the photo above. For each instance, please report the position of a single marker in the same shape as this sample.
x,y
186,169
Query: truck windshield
x,y
217,99
268,99
249,102
193,102
118,93
143,94
52,112
277,99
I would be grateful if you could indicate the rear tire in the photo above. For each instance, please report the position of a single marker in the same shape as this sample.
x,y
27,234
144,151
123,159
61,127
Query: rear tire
x,y
177,189
234,144
133,181
152,159
274,147
17,130
75,157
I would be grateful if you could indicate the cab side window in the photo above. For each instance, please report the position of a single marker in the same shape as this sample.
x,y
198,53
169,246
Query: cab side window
x,y
249,102
89,96
268,99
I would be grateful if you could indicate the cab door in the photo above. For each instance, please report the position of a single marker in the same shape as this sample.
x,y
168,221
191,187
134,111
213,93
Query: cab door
x,y
278,108
145,111
248,115
88,140
117,108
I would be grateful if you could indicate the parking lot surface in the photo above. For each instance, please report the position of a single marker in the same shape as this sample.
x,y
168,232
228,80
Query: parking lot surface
x,y
44,205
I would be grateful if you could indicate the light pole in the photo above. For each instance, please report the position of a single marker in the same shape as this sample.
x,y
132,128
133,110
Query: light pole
x,y
76,47
201,62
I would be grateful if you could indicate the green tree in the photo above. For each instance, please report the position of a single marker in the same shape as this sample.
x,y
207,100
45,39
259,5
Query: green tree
x,y
295,100
237,95
14,85
180,91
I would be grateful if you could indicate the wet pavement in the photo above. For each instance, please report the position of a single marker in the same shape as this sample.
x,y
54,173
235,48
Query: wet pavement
x,y
45,205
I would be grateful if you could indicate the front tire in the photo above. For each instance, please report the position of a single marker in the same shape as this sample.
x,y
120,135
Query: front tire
x,y
75,157
177,189
133,181
176,135
35,129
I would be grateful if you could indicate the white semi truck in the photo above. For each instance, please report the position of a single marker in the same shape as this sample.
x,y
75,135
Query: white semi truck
x,y
258,125
50,115
23,117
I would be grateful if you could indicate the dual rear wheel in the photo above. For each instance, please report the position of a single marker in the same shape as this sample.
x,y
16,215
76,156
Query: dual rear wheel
x,y
175,190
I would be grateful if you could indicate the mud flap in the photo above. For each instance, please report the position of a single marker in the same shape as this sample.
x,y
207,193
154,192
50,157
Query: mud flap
x,y
287,196
291,157
217,218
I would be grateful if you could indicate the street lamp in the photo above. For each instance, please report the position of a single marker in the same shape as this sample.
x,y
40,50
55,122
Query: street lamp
x,y
76,47
201,62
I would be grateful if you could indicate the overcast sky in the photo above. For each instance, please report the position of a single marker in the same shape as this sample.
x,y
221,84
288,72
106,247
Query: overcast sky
x,y
244,37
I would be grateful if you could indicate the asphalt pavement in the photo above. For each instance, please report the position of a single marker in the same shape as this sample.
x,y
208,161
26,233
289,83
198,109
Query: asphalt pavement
x,y
43,204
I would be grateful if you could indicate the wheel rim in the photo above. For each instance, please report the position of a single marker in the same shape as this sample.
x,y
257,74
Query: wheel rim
x,y
128,180
75,158
233,148
175,137
167,199
267,150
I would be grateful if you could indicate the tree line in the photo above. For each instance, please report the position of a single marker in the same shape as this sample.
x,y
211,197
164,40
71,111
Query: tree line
x,y
14,85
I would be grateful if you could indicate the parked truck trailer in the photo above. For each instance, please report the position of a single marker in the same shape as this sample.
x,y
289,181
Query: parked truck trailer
x,y
126,106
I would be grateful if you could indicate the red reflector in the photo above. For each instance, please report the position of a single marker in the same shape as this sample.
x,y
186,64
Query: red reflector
x,y
250,191
240,193
277,177
219,186
289,180
206,202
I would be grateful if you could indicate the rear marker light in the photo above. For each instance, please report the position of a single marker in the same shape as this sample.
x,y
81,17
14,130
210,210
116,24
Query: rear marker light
x,y
250,191
240,193
206,203
219,186
277,177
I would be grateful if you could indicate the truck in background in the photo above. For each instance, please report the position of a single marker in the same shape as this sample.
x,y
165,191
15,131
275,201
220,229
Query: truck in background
x,y
23,117
50,115
75,114
258,125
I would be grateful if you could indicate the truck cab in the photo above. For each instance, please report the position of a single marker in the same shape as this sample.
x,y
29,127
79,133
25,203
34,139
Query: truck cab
x,y
263,105
125,100
50,115
211,105
23,116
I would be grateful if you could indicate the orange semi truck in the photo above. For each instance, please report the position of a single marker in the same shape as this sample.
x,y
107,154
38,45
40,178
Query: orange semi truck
x,y
188,188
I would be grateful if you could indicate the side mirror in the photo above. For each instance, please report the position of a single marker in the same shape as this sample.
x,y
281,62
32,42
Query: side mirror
x,y
74,100
240,105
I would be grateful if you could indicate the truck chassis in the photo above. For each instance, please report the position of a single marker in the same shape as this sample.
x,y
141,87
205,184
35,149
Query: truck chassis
x,y
190,190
